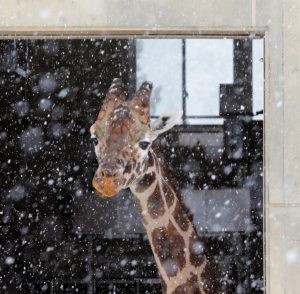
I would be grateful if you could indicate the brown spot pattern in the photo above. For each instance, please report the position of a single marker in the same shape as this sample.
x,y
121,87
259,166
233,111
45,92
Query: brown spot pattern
x,y
181,217
127,169
195,259
190,287
138,168
145,182
169,245
155,204
169,195
150,160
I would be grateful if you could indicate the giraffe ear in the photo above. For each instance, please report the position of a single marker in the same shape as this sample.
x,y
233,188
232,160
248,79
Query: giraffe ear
x,y
165,122
114,97
141,101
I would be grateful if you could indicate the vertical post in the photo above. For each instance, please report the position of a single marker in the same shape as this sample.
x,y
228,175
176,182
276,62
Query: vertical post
x,y
236,101
242,65
184,92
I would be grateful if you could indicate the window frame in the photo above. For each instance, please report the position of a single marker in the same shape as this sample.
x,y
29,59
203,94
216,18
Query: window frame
x,y
176,32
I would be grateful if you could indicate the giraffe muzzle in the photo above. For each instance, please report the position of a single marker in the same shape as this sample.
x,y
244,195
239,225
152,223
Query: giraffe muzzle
x,y
105,186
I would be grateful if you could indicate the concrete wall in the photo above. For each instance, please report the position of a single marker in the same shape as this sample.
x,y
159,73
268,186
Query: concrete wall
x,y
281,19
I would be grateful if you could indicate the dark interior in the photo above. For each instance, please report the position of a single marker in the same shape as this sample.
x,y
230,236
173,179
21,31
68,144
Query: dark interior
x,y
57,235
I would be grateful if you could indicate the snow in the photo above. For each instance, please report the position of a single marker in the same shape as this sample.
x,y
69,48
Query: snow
x,y
22,108
227,202
197,247
44,13
3,135
9,260
24,230
57,130
47,83
123,262
170,266
21,72
32,140
17,193
76,168
45,104
50,182
58,112
52,221
63,93
292,256
218,215
78,193
49,249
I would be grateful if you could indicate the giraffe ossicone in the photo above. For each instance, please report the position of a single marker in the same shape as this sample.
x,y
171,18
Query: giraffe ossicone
x,y
124,136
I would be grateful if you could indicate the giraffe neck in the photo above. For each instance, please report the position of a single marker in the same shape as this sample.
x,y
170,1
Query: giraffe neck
x,y
178,251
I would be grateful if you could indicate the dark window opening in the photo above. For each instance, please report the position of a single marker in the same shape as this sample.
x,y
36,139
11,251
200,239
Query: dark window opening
x,y
57,235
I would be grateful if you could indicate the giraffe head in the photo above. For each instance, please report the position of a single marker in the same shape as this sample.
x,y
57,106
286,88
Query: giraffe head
x,y
123,135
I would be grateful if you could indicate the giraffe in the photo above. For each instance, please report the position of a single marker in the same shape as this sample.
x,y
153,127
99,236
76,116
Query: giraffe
x,y
123,137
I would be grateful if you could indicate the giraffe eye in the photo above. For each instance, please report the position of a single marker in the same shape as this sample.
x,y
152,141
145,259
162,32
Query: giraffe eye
x,y
144,144
94,140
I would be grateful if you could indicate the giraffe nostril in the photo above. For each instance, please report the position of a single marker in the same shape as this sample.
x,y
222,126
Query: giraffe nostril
x,y
114,174
102,173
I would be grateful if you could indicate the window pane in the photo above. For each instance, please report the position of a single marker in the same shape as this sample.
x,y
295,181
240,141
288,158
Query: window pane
x,y
258,77
160,61
205,121
209,63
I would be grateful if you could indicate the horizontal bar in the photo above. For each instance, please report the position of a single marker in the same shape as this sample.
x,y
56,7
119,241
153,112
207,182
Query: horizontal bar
x,y
125,32
194,116
56,281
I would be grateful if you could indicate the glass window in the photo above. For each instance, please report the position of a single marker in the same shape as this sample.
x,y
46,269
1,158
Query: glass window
x,y
258,78
160,61
188,73
209,63
57,235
